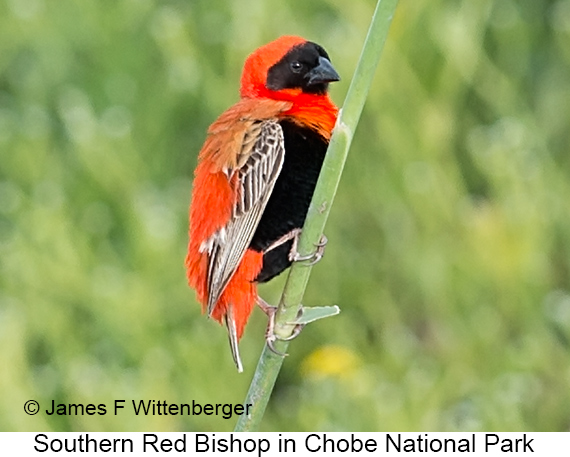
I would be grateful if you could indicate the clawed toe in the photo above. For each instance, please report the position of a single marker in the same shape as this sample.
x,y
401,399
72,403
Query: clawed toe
x,y
270,339
312,258
295,334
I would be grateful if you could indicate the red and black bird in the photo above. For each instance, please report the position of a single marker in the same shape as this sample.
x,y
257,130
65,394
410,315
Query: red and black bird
x,y
255,178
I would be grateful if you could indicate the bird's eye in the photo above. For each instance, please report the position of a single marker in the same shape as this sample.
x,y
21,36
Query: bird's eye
x,y
296,66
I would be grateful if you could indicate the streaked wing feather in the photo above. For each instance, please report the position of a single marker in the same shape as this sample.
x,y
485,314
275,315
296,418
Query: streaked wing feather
x,y
257,178
232,335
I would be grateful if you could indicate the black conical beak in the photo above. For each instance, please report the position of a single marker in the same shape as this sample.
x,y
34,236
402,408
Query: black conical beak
x,y
324,72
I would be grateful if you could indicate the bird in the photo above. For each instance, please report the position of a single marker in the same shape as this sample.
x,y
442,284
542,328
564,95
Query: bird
x,y
254,180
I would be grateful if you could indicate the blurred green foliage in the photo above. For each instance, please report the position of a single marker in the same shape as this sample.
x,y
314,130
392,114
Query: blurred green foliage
x,y
449,248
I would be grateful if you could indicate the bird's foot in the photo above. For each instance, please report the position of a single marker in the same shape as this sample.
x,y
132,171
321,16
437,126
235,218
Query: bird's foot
x,y
314,256
270,336
294,255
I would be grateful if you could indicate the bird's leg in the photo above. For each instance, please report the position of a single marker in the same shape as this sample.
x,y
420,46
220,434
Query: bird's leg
x,y
270,336
294,255
292,235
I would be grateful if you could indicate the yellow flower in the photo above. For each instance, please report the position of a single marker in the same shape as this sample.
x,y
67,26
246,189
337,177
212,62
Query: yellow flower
x,y
330,361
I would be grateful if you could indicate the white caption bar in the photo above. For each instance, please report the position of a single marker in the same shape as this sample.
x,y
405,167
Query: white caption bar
x,y
273,444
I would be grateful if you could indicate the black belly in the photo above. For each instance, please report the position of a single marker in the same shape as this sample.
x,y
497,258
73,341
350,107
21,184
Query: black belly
x,y
288,205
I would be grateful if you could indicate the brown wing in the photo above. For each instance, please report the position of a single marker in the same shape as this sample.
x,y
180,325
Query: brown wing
x,y
257,175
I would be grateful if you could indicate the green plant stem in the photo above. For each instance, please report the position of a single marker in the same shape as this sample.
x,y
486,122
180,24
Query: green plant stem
x,y
290,304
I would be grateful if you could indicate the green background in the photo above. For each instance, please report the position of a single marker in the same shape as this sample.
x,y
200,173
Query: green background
x,y
449,241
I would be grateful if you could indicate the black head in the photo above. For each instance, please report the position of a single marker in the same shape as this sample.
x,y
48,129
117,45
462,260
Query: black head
x,y
306,66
